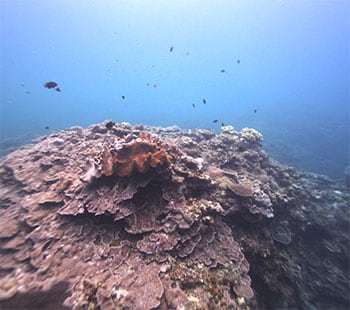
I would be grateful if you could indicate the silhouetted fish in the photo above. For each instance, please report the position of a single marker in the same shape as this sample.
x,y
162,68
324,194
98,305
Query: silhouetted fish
x,y
147,84
123,97
27,92
193,105
238,61
50,85
22,84
215,121
204,101
53,85
171,49
255,110
222,70
155,85
222,124
110,124
47,127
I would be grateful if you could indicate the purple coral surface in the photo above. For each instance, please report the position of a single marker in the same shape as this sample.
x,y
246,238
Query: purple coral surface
x,y
188,234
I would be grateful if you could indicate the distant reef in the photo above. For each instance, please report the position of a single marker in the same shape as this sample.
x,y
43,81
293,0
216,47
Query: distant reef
x,y
117,216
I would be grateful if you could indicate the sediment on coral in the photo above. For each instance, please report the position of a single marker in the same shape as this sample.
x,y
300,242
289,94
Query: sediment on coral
x,y
116,216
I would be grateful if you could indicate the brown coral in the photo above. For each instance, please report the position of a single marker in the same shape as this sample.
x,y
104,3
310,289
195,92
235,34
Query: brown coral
x,y
240,189
111,238
151,234
244,291
138,155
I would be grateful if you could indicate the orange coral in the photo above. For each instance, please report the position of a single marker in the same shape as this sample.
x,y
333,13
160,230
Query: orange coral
x,y
138,155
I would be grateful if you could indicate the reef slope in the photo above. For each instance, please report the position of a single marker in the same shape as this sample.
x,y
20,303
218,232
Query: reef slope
x,y
135,217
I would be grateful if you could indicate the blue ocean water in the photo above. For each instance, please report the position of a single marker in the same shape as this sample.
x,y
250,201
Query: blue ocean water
x,y
291,82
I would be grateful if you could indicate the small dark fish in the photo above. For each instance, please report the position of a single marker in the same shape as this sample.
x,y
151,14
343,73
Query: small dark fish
x,y
187,53
171,49
117,60
27,92
222,124
238,61
255,110
222,71
47,127
215,121
110,125
147,84
155,85
50,85
123,97
53,85
193,105
22,84
204,101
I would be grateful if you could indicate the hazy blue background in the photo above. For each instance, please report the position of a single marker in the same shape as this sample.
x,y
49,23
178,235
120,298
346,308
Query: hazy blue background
x,y
294,70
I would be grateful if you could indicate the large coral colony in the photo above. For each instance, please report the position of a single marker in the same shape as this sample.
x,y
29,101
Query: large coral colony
x,y
135,217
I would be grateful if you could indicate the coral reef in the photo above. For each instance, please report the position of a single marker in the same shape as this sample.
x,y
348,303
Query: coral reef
x,y
135,217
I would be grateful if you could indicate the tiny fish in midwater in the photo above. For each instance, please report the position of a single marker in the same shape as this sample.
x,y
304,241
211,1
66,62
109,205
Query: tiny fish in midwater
x,y
22,84
123,97
222,70
187,53
147,84
238,61
193,105
204,101
50,85
215,121
222,124
27,92
171,49
155,85
255,110
53,85
47,127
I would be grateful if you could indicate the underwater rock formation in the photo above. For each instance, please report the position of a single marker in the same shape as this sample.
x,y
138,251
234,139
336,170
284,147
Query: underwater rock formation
x,y
135,217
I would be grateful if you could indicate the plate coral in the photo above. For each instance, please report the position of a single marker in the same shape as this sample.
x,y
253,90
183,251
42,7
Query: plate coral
x,y
116,216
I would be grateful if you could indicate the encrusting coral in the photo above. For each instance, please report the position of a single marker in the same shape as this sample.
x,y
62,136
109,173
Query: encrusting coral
x,y
134,217
140,154
127,155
